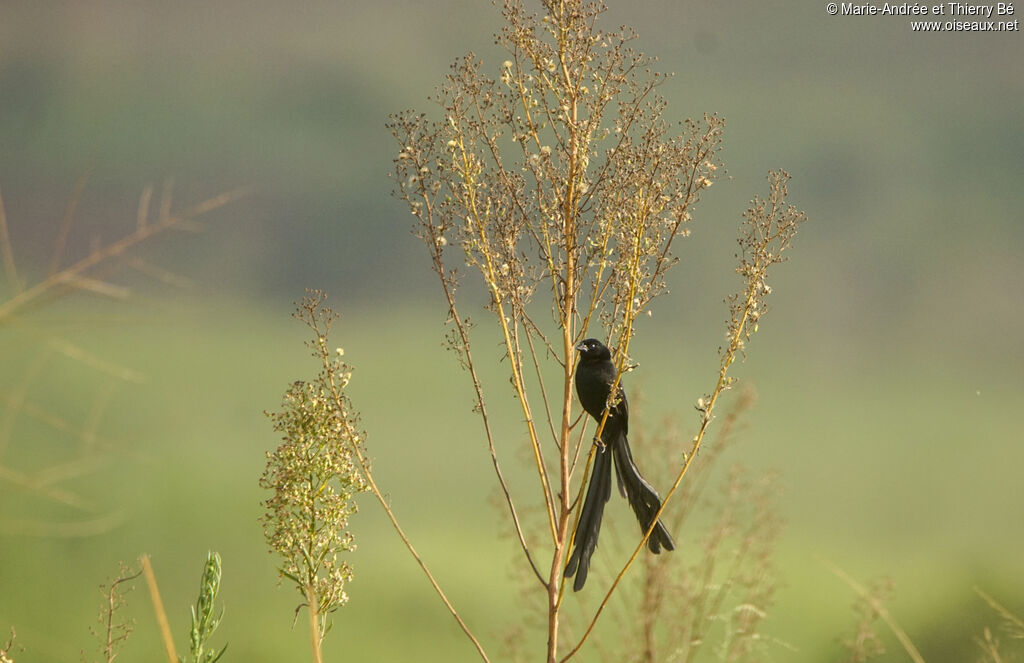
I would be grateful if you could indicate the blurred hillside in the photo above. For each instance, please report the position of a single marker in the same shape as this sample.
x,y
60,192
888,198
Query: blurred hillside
x,y
905,148
888,370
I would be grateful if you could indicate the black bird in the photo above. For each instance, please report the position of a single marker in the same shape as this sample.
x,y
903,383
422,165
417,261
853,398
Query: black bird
x,y
595,375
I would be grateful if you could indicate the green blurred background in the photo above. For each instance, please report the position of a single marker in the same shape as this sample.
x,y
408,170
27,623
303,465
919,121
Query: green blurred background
x,y
889,371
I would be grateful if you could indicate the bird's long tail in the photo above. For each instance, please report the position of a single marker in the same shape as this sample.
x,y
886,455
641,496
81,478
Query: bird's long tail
x,y
641,495
589,526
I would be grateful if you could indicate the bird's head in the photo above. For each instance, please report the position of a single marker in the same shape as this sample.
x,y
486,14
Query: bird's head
x,y
593,350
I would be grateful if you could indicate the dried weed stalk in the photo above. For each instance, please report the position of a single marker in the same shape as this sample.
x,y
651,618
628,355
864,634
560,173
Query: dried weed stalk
x,y
114,632
555,179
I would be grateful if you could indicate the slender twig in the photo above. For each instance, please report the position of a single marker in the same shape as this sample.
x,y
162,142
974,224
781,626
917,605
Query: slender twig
x,y
158,610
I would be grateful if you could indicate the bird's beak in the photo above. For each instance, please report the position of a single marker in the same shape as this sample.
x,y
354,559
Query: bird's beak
x,y
581,346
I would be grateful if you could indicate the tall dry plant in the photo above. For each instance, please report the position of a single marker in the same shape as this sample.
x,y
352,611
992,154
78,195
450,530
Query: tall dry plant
x,y
555,179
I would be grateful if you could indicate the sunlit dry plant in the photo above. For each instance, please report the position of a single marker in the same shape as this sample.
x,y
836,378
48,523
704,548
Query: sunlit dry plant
x,y
556,180
314,478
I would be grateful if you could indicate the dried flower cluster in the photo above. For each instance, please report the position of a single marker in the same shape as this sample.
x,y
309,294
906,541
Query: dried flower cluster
x,y
314,477
769,226
559,175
